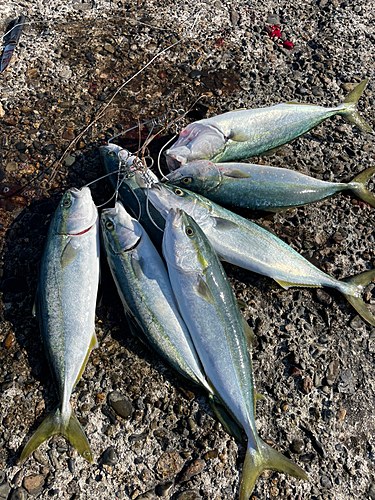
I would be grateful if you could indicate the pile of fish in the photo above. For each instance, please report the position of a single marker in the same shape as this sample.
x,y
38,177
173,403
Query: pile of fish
x,y
186,309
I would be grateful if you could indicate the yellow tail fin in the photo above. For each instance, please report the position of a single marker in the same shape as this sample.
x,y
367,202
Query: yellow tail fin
x,y
51,426
357,186
265,458
361,280
351,113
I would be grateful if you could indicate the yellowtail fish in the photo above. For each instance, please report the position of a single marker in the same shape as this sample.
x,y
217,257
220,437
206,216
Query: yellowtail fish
x,y
245,244
261,187
248,132
65,307
209,308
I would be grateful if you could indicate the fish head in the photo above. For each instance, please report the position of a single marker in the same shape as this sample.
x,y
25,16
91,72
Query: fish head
x,y
200,175
184,243
197,141
76,213
121,233
109,157
164,197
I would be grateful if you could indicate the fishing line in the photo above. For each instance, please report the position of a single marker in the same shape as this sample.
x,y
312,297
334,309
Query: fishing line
x,y
79,136
148,211
163,177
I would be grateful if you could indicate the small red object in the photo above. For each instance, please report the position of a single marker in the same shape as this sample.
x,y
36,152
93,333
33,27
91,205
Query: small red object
x,y
288,45
219,42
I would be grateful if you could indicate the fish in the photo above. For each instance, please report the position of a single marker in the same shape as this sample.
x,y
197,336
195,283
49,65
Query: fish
x,y
248,245
145,291
131,195
261,187
65,308
209,308
249,132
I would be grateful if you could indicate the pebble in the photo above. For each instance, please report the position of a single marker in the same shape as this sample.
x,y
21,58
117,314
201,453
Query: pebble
x,y
120,404
4,491
346,382
194,468
11,166
34,484
162,490
69,160
195,73
9,340
169,464
109,48
307,385
332,371
297,446
68,135
109,457
234,17
323,297
21,146
340,415
371,491
325,481
188,495
66,74
273,19
357,322
18,494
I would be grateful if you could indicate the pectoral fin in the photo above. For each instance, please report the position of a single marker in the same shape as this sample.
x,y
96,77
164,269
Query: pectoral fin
x,y
137,267
69,254
238,135
224,224
236,173
204,291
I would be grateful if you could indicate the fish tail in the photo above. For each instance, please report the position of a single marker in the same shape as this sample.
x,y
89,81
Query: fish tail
x,y
265,458
360,281
349,107
357,186
52,425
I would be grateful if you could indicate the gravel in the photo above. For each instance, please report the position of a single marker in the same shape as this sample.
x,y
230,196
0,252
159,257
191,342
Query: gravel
x,y
152,434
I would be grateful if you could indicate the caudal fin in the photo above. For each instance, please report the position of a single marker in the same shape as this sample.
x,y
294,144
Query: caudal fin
x,y
351,114
361,280
357,186
51,426
265,459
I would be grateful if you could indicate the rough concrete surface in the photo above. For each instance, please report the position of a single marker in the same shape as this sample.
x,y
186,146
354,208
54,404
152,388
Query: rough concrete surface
x,y
152,434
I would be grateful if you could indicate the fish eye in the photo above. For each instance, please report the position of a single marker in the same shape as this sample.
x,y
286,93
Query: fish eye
x,y
67,203
189,231
179,192
109,224
187,180
6,190
111,153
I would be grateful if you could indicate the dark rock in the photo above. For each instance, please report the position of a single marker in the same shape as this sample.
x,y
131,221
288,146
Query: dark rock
x,y
297,446
325,482
109,457
194,468
37,145
102,97
162,490
21,146
121,405
195,73
18,494
188,495
49,148
89,56
14,285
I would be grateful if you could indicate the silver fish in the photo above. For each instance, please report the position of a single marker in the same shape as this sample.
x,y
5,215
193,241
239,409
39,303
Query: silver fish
x,y
209,308
248,132
143,285
261,187
245,244
65,306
